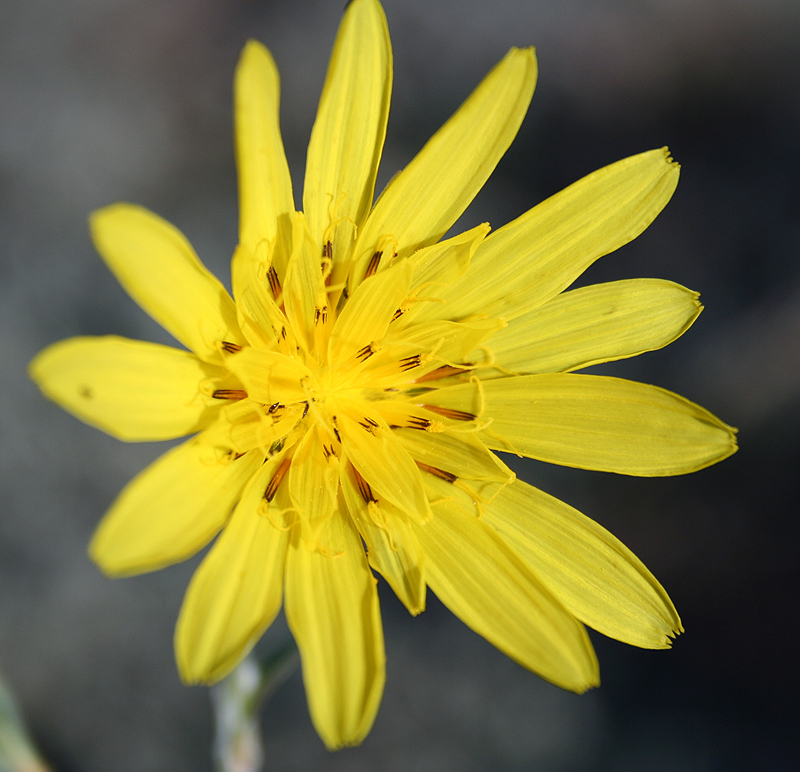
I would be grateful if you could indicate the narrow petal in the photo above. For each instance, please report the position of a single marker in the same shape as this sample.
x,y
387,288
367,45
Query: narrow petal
x,y
170,510
488,587
525,263
314,483
427,197
393,549
367,314
384,463
594,422
158,268
133,390
265,187
595,324
332,610
269,377
590,571
236,592
347,139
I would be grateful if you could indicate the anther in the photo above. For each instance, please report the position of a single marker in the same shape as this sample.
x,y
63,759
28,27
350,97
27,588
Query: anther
x,y
374,262
231,348
397,314
365,353
229,394
447,412
442,372
364,488
327,250
409,363
277,478
274,282
436,472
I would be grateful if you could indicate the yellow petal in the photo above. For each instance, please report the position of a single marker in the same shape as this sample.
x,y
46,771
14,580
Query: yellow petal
x,y
367,314
158,268
236,592
347,139
383,462
332,610
525,263
592,573
314,482
269,377
488,587
170,510
304,289
133,390
427,197
392,548
594,422
594,324
265,187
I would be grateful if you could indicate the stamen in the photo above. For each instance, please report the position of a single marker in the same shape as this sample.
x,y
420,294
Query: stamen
x,y
374,262
321,313
397,314
436,472
409,363
231,348
229,394
305,411
327,250
273,408
364,488
415,422
443,372
277,479
274,282
365,352
456,415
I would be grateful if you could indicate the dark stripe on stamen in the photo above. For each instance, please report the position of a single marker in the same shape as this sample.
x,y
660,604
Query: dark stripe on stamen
x,y
364,488
365,352
277,478
305,411
229,394
321,314
442,372
397,314
327,250
231,348
436,472
274,282
415,422
374,262
447,412
409,363
274,407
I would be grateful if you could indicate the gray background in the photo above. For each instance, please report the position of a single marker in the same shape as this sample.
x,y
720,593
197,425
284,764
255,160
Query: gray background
x,y
105,100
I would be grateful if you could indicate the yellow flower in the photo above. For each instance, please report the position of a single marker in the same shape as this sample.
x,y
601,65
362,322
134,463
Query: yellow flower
x,y
347,404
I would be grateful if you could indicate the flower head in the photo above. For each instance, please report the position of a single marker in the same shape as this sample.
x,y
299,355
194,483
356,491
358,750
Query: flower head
x,y
347,404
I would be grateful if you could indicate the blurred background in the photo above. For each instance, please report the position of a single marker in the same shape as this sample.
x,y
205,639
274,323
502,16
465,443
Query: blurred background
x,y
106,100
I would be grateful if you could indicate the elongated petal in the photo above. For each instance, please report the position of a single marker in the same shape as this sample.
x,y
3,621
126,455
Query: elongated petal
x,y
369,311
349,131
393,549
236,592
314,483
158,268
133,390
332,610
427,197
590,571
594,422
385,464
525,263
488,587
170,510
594,324
269,377
265,187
